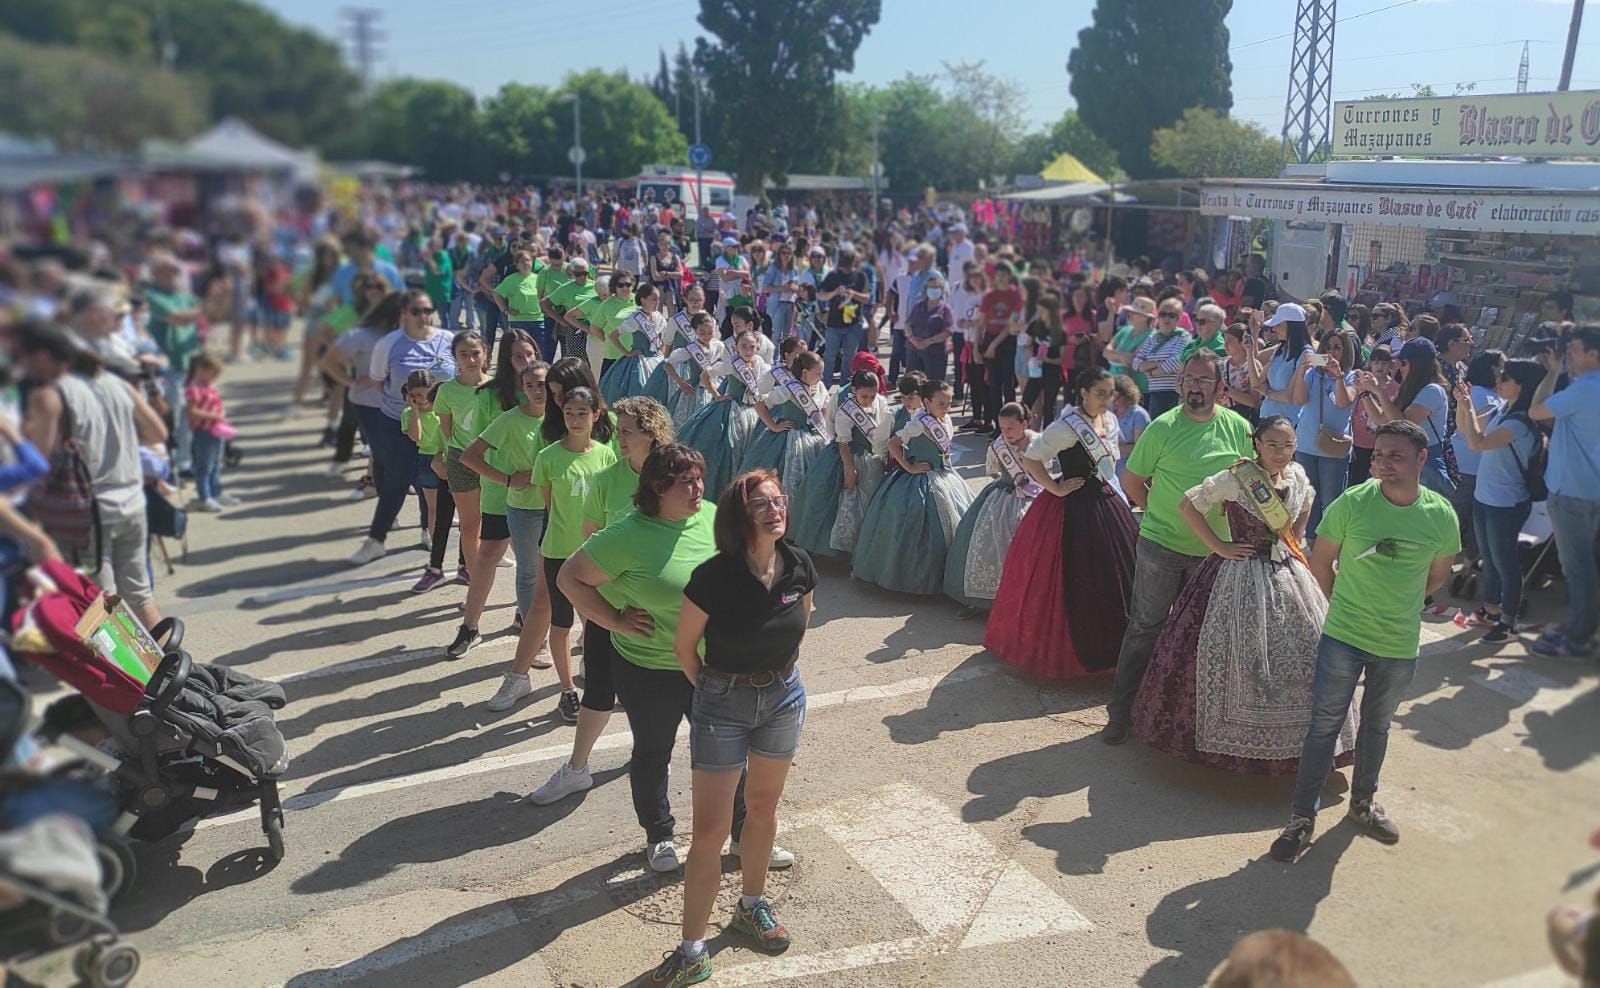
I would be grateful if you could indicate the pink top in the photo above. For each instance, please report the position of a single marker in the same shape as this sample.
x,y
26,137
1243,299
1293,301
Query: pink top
x,y
1360,428
206,398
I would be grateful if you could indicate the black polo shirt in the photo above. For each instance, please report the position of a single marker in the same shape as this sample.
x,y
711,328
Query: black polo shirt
x,y
751,629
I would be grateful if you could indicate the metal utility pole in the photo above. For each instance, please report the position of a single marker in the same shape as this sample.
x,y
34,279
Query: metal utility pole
x,y
1572,45
364,39
699,173
1309,108
876,167
1522,70
576,153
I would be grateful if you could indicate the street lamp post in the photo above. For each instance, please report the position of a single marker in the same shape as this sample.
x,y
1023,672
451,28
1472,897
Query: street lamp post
x,y
576,153
699,173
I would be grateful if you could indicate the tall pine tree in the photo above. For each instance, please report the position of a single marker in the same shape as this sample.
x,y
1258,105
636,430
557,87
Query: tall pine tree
x,y
1141,63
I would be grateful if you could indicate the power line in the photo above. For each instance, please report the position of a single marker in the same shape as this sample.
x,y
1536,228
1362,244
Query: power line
x,y
365,39
1352,17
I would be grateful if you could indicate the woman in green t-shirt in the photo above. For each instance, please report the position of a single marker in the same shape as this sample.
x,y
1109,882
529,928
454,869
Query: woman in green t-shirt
x,y
457,402
501,394
629,579
642,426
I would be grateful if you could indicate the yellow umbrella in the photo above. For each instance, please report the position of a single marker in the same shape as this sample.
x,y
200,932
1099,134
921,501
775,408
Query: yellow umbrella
x,y
1068,169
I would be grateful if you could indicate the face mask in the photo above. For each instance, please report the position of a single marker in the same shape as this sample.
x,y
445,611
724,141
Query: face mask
x,y
936,293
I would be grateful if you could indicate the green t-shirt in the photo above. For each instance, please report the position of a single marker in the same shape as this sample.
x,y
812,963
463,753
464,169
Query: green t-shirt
x,y
1128,340
521,292
549,279
569,475
618,314
178,341
610,494
469,410
1177,453
649,561
514,443
1214,344
1384,555
439,286
432,441
571,295
340,318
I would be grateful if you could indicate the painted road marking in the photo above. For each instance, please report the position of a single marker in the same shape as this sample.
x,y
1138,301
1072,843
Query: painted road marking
x,y
304,800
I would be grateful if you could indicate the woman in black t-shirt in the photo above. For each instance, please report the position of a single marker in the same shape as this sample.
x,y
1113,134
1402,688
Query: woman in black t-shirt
x,y
749,605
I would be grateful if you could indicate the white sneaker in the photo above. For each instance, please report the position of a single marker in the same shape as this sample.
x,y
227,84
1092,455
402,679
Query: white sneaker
x,y
334,470
663,856
370,551
512,688
780,859
211,504
542,660
227,500
199,505
362,492
426,539
566,781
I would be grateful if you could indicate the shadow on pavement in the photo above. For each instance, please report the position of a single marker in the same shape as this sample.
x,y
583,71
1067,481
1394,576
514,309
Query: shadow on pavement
x,y
316,639
163,886
1567,738
233,551
1002,697
270,577
394,700
1202,921
442,834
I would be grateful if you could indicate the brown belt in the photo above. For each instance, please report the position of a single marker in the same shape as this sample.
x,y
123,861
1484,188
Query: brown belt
x,y
766,678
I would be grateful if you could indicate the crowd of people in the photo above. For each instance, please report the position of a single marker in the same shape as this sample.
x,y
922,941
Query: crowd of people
x,y
1233,507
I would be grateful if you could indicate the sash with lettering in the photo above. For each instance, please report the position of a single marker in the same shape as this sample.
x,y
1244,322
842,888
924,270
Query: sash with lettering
x,y
936,431
644,324
1258,488
1024,486
803,398
681,321
1105,462
697,353
859,416
747,376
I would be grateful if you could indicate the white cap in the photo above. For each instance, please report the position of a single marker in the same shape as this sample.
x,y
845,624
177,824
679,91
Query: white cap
x,y
1287,312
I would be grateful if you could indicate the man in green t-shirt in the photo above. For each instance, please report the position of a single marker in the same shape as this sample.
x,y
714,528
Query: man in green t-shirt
x,y
174,314
1381,548
1209,322
1176,452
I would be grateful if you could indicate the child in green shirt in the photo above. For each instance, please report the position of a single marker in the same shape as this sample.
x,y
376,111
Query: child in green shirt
x,y
418,421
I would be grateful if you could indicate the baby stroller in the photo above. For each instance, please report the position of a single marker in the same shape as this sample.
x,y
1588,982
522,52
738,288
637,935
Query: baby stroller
x,y
185,740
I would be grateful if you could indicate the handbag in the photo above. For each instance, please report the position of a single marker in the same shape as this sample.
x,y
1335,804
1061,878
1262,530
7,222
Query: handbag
x,y
1329,443
63,501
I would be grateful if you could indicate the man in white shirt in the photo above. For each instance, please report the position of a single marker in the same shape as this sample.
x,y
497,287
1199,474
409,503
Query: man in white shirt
x,y
958,253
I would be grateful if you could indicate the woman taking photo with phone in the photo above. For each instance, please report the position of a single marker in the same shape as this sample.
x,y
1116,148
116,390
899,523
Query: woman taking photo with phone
x,y
748,606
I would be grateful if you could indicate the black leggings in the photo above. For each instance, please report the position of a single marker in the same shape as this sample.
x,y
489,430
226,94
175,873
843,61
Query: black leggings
x,y
444,514
560,606
599,686
1047,387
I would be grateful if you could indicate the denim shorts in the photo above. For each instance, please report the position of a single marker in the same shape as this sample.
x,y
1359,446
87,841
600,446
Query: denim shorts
x,y
426,479
732,720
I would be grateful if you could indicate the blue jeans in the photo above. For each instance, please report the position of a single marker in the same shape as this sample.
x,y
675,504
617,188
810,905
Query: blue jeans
x,y
207,450
490,321
1577,524
394,467
462,310
527,529
1159,574
172,385
1329,476
839,347
1333,687
1497,530
782,314
931,361
1161,402
731,720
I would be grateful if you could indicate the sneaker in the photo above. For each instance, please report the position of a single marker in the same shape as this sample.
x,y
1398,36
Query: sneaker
x,y
465,638
761,926
542,659
566,781
425,538
1374,820
513,687
1558,646
569,706
227,500
335,469
779,860
1480,618
463,577
370,550
363,490
678,969
330,437
1501,632
1114,732
1293,839
430,578
211,504
662,855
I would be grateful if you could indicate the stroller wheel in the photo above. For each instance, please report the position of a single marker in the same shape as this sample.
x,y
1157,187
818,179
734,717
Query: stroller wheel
x,y
64,928
273,827
113,966
118,868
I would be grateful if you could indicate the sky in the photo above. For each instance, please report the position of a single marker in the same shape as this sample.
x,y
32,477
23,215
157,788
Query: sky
x,y
1381,46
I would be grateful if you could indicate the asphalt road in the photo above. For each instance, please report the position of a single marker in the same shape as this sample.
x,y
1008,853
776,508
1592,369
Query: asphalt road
x,y
955,823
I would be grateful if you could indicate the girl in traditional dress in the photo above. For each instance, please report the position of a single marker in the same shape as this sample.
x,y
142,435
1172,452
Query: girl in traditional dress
x,y
797,414
1229,684
910,388
722,429
972,570
1062,605
911,522
830,503
691,389
679,330
641,337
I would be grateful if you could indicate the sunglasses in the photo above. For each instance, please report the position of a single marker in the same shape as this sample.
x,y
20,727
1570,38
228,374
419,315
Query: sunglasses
x,y
417,310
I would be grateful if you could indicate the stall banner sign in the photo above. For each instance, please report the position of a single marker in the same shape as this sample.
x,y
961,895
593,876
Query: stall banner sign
x,y
1533,125
1577,213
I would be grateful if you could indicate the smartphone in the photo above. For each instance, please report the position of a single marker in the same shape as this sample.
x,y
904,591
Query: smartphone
x,y
1319,360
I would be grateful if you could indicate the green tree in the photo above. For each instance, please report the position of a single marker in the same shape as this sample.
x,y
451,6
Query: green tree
x,y
87,101
624,128
1141,63
766,56
427,123
1206,144
1425,89
518,125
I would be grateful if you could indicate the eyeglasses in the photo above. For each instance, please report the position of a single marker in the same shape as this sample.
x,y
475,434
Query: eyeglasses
x,y
1279,447
419,311
777,503
1203,382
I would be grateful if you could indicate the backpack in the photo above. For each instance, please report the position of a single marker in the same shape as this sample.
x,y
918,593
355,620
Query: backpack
x,y
1533,470
63,502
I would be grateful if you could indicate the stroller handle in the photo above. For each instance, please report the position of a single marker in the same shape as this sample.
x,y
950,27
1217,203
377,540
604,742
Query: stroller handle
x,y
168,680
170,629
